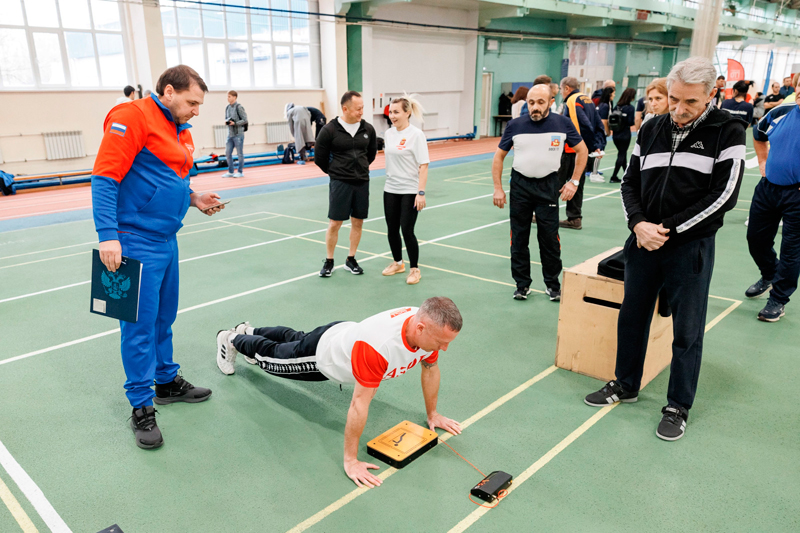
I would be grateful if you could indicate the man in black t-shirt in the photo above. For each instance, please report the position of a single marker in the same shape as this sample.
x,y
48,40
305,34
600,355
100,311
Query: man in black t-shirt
x,y
774,99
538,140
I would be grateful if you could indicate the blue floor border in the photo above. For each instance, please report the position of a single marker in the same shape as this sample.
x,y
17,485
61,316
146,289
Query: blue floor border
x,y
86,214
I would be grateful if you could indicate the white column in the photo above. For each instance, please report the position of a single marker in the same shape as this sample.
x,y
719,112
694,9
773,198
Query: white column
x,y
706,28
367,68
333,58
466,114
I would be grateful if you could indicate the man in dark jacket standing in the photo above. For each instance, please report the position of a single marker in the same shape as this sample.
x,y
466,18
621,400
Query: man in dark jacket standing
x,y
344,150
581,111
684,174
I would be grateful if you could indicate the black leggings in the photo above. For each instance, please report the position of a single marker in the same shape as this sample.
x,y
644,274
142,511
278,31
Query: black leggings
x,y
401,214
622,144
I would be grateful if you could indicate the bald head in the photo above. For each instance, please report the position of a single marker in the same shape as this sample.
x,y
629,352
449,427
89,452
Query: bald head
x,y
539,100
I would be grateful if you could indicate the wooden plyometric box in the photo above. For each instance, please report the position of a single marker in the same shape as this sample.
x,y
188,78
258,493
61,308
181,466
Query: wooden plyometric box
x,y
587,325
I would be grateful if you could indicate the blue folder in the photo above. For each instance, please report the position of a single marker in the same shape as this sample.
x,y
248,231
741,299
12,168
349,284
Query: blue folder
x,y
116,294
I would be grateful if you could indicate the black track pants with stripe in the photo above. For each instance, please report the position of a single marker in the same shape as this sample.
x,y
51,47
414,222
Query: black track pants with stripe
x,y
539,196
284,352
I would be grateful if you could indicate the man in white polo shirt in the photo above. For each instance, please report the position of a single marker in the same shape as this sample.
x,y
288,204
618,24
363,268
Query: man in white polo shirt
x,y
364,354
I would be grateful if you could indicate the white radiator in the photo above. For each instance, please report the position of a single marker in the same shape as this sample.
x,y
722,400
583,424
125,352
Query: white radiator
x,y
64,144
220,136
278,132
430,121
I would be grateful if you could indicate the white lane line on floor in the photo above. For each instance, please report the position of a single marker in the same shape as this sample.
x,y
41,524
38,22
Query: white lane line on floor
x,y
355,493
475,515
21,296
31,491
558,448
16,509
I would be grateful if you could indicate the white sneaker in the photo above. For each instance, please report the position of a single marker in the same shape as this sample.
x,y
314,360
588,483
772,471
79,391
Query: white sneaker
x,y
228,175
246,329
226,352
238,175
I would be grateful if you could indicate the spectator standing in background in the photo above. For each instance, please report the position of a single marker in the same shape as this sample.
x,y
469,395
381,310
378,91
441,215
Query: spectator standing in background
x,y
236,120
622,135
518,101
130,95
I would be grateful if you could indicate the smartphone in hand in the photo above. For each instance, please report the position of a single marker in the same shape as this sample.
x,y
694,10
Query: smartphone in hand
x,y
215,206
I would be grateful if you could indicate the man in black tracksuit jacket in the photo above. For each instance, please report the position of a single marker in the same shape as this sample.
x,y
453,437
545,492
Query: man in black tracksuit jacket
x,y
344,149
680,183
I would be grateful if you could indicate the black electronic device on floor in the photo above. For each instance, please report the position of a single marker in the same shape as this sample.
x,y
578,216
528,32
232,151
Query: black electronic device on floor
x,y
490,487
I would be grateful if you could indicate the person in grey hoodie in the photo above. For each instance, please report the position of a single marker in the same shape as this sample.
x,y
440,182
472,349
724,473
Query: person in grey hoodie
x,y
300,127
236,120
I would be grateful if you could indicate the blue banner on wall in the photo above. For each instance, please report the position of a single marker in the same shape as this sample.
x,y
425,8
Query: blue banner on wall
x,y
769,73
564,68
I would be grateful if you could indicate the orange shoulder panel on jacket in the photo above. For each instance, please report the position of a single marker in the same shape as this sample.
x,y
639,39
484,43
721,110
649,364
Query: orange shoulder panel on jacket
x,y
125,134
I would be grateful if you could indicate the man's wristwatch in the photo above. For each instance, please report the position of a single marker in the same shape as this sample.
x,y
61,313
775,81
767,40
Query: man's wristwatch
x,y
576,183
421,193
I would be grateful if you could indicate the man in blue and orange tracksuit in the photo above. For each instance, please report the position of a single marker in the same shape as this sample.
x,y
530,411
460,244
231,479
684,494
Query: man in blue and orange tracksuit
x,y
140,194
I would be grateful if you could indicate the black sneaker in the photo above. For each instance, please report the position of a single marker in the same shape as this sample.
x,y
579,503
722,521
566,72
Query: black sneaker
x,y
352,266
612,392
145,429
555,296
180,390
772,312
327,269
615,179
758,288
522,294
673,423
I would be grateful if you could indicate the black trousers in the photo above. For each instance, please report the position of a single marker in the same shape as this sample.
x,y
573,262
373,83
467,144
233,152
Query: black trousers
x,y
575,204
401,214
684,271
539,196
318,125
622,143
284,352
771,203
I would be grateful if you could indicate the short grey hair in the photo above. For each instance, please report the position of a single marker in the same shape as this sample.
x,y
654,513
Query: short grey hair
x,y
693,71
570,81
443,312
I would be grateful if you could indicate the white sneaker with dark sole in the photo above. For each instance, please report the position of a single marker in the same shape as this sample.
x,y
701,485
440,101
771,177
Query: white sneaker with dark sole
x,y
226,353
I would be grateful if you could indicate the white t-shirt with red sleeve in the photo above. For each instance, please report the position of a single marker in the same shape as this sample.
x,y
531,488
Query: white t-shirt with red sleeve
x,y
370,351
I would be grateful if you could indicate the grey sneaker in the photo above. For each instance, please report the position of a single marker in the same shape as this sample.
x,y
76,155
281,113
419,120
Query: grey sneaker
x,y
555,296
772,312
238,175
145,429
180,390
228,174
673,423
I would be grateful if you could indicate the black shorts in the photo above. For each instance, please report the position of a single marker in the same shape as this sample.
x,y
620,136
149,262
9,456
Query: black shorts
x,y
348,199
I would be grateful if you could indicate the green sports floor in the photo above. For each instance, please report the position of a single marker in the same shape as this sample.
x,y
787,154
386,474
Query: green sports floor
x,y
265,454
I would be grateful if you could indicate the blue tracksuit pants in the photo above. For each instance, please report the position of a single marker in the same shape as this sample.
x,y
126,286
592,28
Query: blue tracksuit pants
x,y
147,344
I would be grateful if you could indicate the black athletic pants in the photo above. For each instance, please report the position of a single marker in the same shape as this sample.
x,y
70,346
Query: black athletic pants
x,y
539,196
684,271
284,352
622,142
771,203
401,214
565,171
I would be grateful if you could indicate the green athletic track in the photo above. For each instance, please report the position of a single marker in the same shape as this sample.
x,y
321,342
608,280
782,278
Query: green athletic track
x,y
265,454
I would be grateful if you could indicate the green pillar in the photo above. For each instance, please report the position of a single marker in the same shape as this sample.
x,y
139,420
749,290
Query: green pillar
x,y
355,73
621,66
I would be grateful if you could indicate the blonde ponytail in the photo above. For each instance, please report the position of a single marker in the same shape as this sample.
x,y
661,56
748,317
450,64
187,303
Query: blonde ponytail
x,y
410,104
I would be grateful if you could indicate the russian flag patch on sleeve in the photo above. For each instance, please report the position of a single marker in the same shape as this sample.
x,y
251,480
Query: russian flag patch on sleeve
x,y
118,129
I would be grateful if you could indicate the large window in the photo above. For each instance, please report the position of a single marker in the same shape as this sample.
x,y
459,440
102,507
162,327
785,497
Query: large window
x,y
245,43
61,43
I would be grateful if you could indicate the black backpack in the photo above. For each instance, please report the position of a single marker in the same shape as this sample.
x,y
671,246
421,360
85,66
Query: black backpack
x,y
288,154
246,124
615,120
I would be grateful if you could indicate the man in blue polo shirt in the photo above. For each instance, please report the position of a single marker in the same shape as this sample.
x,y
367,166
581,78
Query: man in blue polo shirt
x,y
776,139
538,140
